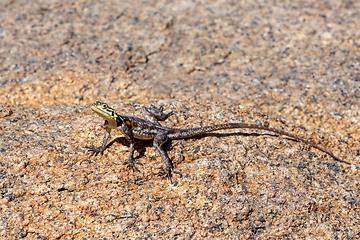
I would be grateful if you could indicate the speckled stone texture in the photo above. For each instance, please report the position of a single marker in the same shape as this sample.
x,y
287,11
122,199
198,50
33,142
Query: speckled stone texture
x,y
292,65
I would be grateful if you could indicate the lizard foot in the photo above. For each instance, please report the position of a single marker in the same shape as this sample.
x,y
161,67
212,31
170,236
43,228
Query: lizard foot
x,y
157,112
131,164
95,150
168,173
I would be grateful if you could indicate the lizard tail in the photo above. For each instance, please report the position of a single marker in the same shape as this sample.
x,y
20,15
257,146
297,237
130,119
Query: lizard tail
x,y
192,132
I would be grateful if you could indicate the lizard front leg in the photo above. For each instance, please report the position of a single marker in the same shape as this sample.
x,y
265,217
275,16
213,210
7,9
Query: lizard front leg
x,y
154,114
131,161
96,150
126,130
159,141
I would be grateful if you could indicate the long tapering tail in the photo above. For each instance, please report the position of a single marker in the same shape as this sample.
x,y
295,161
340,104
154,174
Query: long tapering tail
x,y
192,132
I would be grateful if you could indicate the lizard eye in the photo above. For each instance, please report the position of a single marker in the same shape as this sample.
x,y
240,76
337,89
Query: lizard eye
x,y
104,106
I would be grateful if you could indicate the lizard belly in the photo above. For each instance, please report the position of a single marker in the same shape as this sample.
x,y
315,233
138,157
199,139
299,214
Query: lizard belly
x,y
141,137
144,134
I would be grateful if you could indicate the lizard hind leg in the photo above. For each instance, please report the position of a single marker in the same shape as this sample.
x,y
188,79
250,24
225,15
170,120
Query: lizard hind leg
x,y
154,114
159,144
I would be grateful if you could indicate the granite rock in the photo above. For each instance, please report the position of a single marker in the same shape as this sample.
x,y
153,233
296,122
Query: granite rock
x,y
292,65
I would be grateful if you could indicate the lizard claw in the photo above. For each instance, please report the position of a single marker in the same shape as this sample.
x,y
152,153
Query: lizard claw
x,y
94,151
131,164
168,173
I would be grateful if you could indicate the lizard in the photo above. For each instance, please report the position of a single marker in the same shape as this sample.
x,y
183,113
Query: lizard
x,y
134,128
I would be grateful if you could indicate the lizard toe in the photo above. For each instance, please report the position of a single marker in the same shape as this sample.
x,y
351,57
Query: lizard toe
x,y
131,164
168,172
94,151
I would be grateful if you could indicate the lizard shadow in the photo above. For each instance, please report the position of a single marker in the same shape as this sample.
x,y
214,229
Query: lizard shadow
x,y
141,145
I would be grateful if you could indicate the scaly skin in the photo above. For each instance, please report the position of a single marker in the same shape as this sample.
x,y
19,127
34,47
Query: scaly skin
x,y
136,128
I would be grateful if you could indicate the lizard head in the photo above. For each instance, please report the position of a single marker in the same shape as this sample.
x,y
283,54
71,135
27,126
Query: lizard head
x,y
106,112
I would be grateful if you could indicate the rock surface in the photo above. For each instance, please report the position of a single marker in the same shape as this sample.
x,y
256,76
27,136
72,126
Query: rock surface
x,y
292,65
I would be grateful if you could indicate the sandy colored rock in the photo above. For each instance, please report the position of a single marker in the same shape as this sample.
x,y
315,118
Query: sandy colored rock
x,y
289,65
